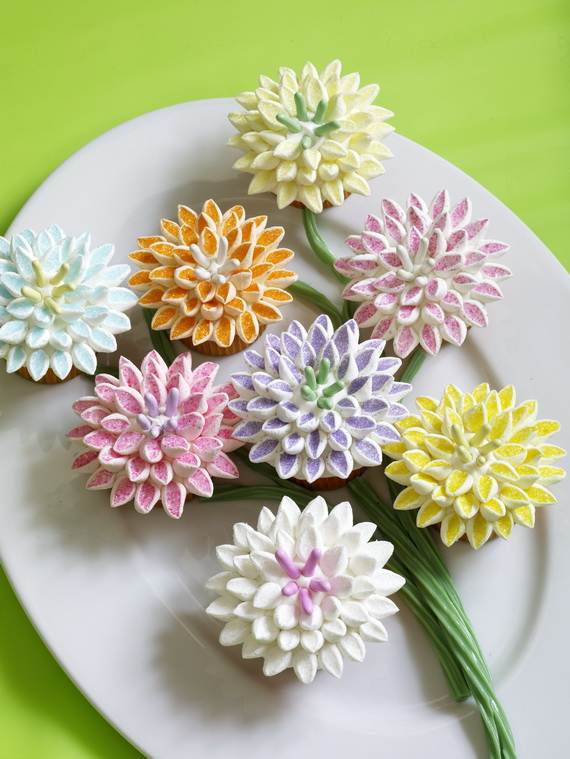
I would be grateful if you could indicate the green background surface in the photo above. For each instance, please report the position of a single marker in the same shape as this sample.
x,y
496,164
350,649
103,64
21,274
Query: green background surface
x,y
484,84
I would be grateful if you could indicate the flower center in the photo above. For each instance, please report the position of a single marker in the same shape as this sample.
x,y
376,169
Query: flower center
x,y
302,582
312,128
321,386
214,268
48,291
159,420
474,453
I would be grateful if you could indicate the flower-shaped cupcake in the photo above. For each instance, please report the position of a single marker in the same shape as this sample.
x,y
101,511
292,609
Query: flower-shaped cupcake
x,y
318,402
313,138
60,302
157,433
215,278
476,462
423,275
304,590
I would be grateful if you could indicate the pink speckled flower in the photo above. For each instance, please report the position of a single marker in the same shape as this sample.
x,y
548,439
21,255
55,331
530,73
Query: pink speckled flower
x,y
156,433
423,275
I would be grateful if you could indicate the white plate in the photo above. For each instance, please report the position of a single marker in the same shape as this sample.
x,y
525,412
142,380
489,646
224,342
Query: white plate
x,y
119,598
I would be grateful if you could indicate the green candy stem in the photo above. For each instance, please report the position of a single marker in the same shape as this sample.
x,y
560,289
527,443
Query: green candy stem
x,y
319,246
320,111
302,114
306,292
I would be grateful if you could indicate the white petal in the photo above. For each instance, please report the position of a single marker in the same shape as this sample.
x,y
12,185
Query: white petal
x,y
354,613
222,608
252,649
374,630
312,640
330,659
242,587
388,582
264,629
276,661
338,521
288,639
334,630
234,632
305,666
334,561
286,616
353,646
380,607
267,596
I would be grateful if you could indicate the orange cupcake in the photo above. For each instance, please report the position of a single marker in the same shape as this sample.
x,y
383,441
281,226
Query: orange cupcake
x,y
215,280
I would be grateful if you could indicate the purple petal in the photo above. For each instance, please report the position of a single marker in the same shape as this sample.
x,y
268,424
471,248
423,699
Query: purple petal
x,y
340,439
361,423
287,464
293,443
273,341
297,330
400,389
316,444
289,410
280,389
347,405
243,382
367,452
288,371
275,425
308,355
324,321
263,450
330,421
397,411
262,405
357,384
364,358
272,359
331,353
238,406
247,430
342,337
313,469
340,462
291,345
374,406
261,380
387,434
388,364
317,338
254,359
379,382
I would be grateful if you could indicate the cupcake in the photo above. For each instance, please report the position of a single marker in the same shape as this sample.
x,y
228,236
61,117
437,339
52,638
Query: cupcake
x,y
60,304
311,139
215,280
304,590
423,275
318,405
156,434
475,464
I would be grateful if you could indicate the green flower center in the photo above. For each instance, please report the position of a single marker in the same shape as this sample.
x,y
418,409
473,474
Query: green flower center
x,y
312,127
321,387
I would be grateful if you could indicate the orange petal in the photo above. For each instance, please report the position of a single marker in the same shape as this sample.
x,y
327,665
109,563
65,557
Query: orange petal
x,y
271,236
230,222
241,278
205,290
140,279
146,242
259,271
280,256
256,223
186,275
188,235
235,307
143,258
266,313
163,274
170,228
247,327
281,277
182,327
233,238
190,306
202,331
225,292
175,294
239,212
164,317
209,242
152,297
163,251
187,216
258,253
211,209
184,256
212,310
225,332
241,251
276,295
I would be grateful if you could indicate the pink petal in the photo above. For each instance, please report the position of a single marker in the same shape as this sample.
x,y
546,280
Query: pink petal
x,y
174,444
84,403
487,291
475,228
195,402
393,210
412,296
457,241
433,313
203,376
106,392
146,496
439,204
200,483
496,271
405,341
84,459
386,302
128,443
344,266
98,439
465,280
436,289
437,244
493,247
417,202
107,379
173,497
151,451
78,432
396,230
475,313
355,243
161,473
390,281
130,374
430,339
223,466
414,239
461,213
229,442
373,224
153,363
449,262
182,364
115,423
212,425
137,469
155,385
443,223
391,259
452,301
373,242
111,460
101,479
384,329
123,491
417,220
454,329
365,263
191,424
407,314
359,289
185,464
129,401
207,447
474,258
366,315
217,402
94,415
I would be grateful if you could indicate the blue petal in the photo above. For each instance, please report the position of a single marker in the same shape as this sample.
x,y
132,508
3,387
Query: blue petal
x,y
37,337
21,308
101,255
38,364
84,358
61,363
121,298
79,330
116,322
61,340
13,283
24,264
13,332
103,341
16,359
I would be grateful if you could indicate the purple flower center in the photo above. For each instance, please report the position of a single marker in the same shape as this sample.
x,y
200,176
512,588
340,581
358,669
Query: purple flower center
x,y
303,583
157,421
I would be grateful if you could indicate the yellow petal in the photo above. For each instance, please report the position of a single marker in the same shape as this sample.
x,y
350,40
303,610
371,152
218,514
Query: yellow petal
x,y
492,510
423,483
408,422
485,487
432,422
540,495
415,436
394,450
439,495
513,496
481,392
478,531
475,418
501,426
466,505
524,515
512,452
452,394
507,397
551,474
430,513
458,482
426,404
526,411
504,526
504,471
552,451
416,460
399,472
546,427
437,469
527,475
452,528
439,445
492,405
408,499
